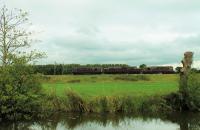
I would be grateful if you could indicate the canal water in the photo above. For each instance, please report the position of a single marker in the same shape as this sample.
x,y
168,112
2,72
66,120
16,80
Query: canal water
x,y
183,121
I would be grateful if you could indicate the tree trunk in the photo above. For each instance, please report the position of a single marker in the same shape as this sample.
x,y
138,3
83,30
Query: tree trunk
x,y
4,47
185,71
184,76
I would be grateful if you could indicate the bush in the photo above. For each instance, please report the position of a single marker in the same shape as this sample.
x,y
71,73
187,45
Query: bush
x,y
174,101
19,92
189,99
194,91
155,105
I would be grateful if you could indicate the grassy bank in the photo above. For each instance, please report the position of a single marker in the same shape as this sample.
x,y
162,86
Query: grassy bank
x,y
108,93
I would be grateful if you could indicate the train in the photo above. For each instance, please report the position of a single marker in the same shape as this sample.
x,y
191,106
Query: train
x,y
123,70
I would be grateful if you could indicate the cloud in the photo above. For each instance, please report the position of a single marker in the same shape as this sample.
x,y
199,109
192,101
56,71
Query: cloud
x,y
155,32
85,50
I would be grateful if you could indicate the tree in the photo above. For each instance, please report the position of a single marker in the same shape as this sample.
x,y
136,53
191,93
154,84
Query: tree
x,y
143,66
14,36
189,86
185,72
194,70
20,93
178,69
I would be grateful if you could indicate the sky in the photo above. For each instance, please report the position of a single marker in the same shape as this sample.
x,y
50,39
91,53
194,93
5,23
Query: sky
x,y
154,32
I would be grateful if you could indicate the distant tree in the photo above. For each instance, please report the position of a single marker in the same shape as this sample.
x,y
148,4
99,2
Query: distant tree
x,y
178,69
14,36
143,66
195,70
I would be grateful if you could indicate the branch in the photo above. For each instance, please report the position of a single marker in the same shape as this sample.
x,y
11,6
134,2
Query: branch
x,y
14,42
34,56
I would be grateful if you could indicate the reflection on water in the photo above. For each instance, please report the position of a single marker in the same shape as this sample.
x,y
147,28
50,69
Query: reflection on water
x,y
189,121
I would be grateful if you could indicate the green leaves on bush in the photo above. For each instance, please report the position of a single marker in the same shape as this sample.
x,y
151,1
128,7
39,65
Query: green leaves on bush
x,y
194,91
19,92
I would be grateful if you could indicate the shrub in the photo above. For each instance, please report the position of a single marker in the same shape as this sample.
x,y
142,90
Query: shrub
x,y
155,105
188,100
193,98
19,92
174,101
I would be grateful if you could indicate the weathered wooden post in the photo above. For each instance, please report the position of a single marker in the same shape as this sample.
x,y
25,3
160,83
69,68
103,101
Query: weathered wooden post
x,y
185,71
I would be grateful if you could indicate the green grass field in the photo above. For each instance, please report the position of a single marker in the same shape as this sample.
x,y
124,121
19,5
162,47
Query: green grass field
x,y
112,85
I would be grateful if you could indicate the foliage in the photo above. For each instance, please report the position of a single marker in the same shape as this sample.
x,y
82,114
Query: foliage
x,y
15,37
60,69
178,69
20,87
188,100
19,92
155,105
194,91
174,100
195,70
57,69
142,66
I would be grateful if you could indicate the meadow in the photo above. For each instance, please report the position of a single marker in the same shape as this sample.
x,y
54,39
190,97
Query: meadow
x,y
90,86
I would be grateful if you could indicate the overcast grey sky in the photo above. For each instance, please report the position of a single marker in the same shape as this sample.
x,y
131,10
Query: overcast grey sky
x,y
155,32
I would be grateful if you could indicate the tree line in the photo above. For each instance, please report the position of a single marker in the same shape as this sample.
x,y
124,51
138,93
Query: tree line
x,y
62,69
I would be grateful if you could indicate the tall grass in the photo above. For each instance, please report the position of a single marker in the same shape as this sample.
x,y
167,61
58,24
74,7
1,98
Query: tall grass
x,y
73,102
76,102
